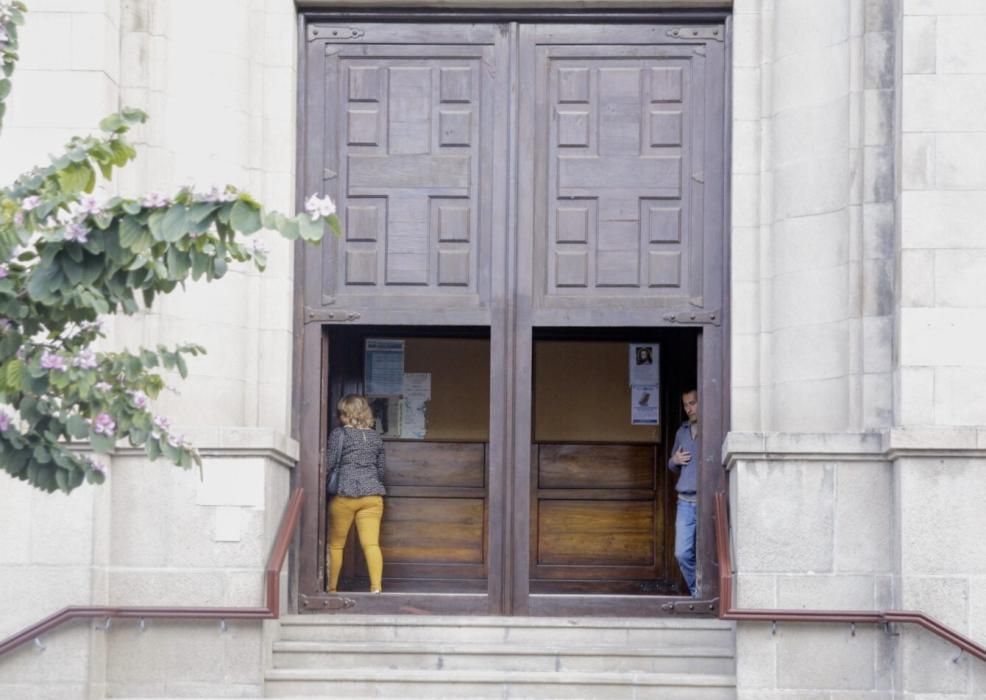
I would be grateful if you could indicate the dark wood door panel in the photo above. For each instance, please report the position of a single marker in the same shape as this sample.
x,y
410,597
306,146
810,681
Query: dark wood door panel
x,y
612,533
436,465
596,467
433,530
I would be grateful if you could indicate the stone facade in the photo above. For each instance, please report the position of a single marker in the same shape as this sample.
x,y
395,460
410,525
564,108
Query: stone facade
x,y
857,451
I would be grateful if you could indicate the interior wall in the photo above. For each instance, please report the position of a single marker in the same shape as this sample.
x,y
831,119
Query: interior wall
x,y
582,393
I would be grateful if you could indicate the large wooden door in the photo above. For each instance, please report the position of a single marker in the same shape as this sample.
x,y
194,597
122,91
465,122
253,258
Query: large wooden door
x,y
506,176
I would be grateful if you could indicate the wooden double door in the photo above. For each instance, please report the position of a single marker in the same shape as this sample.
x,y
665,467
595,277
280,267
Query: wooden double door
x,y
515,182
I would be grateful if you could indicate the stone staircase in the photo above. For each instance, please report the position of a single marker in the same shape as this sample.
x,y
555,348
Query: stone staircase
x,y
407,656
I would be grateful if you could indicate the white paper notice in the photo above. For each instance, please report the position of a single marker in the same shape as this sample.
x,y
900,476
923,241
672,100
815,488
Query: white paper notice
x,y
383,366
644,408
414,419
417,386
644,361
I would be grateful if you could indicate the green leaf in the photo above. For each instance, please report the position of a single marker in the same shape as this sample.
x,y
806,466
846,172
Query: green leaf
x,y
130,231
182,365
15,373
101,443
77,427
76,177
41,455
173,225
245,217
310,230
4,88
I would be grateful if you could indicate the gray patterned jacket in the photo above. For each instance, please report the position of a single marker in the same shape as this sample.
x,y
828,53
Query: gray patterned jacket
x,y
358,454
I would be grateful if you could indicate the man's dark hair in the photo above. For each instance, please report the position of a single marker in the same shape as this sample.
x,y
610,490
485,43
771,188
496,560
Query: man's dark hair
x,y
688,391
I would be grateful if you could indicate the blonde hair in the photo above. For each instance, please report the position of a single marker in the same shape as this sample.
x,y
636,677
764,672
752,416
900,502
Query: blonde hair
x,y
354,411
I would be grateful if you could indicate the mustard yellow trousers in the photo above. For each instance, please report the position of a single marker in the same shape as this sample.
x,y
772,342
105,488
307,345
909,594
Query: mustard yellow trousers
x,y
367,512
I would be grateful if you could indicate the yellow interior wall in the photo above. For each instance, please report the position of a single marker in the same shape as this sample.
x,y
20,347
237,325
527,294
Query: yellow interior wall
x,y
459,408
582,394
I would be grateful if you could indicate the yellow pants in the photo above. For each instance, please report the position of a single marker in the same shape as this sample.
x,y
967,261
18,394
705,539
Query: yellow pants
x,y
368,512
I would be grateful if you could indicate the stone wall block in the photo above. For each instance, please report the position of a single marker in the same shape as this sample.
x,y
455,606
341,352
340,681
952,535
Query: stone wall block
x,y
810,352
745,253
747,147
917,278
879,65
828,66
960,278
942,517
831,592
812,187
745,205
919,45
166,587
879,183
931,665
757,648
755,591
818,296
959,45
809,405
878,117
809,26
879,221
166,651
929,102
810,657
745,360
943,598
863,518
943,337
811,131
877,287
771,531
954,402
961,161
917,161
878,338
811,243
878,400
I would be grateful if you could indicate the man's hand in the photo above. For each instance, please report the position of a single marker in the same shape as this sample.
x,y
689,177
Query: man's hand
x,y
681,457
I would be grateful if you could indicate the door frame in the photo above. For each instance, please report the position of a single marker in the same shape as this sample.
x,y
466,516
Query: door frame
x,y
511,323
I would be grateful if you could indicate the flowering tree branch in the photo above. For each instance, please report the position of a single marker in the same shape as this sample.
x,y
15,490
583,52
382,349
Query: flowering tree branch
x,y
66,258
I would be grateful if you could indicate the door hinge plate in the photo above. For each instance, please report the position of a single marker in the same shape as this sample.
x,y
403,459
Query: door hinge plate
x,y
329,315
700,32
707,318
333,33
693,607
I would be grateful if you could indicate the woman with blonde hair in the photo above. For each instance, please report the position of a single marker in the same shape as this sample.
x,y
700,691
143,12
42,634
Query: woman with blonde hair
x,y
357,452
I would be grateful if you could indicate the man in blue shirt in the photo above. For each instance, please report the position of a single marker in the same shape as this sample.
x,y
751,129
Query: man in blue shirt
x,y
684,462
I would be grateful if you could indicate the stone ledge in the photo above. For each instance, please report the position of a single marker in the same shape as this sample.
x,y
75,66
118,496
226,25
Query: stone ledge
x,y
877,446
235,442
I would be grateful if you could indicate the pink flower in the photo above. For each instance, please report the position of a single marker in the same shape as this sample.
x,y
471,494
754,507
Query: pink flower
x,y
77,233
90,205
4,421
4,271
102,386
155,200
320,208
139,399
104,424
31,203
86,359
52,361
94,465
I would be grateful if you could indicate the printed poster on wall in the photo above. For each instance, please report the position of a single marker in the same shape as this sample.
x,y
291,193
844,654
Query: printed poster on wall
x,y
414,406
644,407
644,360
383,366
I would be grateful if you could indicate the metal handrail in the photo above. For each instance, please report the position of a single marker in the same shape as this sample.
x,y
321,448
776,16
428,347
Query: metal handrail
x,y
728,612
270,611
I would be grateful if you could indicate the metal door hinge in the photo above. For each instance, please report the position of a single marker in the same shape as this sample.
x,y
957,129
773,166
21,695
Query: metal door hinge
x,y
714,33
693,607
329,316
712,318
333,33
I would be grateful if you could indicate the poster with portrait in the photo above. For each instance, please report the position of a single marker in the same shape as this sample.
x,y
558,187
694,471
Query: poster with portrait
x,y
644,361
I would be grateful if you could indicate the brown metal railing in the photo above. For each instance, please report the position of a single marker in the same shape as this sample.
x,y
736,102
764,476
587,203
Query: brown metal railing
x,y
270,611
728,612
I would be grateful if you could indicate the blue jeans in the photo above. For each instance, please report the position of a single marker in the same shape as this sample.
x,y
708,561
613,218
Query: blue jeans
x,y
684,542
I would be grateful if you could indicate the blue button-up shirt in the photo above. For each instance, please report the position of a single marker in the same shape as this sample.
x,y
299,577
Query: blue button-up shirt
x,y
688,473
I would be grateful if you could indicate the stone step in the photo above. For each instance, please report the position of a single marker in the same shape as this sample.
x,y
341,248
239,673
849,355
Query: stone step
x,y
376,682
568,632
501,657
